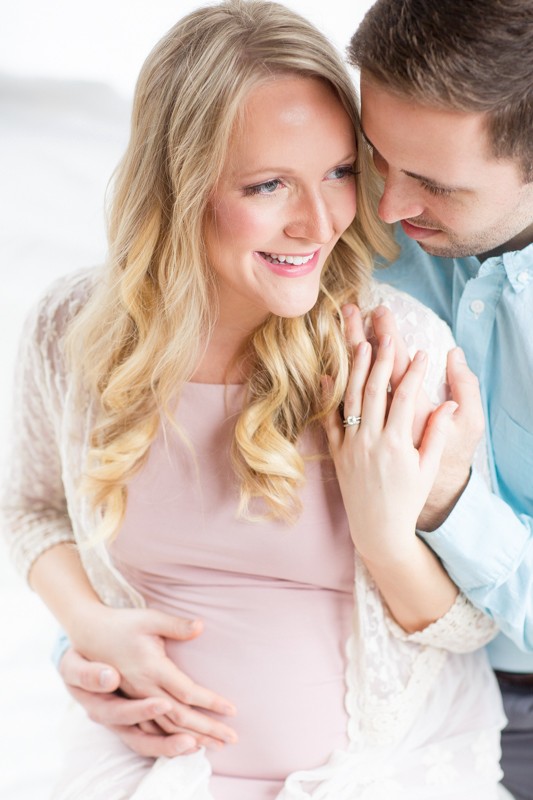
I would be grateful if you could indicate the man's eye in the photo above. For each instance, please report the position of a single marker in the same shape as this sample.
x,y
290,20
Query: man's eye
x,y
435,190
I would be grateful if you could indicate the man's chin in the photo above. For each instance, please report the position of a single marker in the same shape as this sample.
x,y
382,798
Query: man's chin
x,y
445,250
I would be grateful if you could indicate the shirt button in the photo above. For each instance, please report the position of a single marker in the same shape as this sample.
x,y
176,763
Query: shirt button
x,y
523,277
477,307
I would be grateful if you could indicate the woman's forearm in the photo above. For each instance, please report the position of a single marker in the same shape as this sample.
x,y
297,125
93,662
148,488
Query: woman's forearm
x,y
414,585
58,577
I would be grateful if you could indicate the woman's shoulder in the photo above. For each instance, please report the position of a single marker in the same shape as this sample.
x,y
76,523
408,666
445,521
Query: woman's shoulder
x,y
420,327
61,301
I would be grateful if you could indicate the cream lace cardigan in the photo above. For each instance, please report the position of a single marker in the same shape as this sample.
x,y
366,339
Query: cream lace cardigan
x,y
390,674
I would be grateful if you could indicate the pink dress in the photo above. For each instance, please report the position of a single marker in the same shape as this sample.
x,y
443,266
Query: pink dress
x,y
276,601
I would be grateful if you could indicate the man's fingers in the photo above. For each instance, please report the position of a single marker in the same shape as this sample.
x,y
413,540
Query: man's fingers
x,y
111,710
153,746
435,437
92,676
464,389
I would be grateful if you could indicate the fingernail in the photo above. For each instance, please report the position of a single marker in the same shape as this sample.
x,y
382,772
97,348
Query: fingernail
x,y
105,679
362,349
385,340
419,356
229,710
378,312
192,624
460,356
347,311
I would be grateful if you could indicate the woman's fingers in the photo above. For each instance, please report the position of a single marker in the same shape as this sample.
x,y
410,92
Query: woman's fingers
x,y
354,330
404,401
188,693
203,726
353,396
375,397
384,323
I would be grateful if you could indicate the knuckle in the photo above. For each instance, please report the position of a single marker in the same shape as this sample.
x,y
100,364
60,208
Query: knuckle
x,y
401,394
186,696
371,389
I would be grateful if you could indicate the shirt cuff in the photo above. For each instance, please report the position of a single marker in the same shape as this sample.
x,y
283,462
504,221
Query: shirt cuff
x,y
481,541
61,646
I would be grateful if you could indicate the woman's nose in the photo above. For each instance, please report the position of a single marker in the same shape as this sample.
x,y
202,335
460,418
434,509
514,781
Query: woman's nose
x,y
311,219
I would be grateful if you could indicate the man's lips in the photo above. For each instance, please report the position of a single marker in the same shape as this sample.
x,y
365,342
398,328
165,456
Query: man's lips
x,y
418,233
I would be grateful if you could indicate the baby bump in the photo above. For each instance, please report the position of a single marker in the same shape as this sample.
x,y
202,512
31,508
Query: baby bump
x,y
278,654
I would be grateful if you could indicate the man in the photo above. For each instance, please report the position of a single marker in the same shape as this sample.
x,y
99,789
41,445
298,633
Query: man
x,y
448,109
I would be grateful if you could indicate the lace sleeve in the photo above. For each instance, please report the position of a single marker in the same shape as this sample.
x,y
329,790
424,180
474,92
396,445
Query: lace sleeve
x,y
34,507
463,628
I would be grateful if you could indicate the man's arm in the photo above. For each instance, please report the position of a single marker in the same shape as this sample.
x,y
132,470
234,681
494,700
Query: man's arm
x,y
487,550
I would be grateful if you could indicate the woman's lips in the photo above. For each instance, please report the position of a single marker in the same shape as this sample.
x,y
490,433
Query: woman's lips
x,y
286,270
418,233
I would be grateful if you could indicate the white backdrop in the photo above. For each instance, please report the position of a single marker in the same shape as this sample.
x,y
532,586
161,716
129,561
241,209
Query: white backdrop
x,y
67,71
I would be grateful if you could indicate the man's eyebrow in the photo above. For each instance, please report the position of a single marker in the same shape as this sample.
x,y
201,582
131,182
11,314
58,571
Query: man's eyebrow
x,y
416,176
430,182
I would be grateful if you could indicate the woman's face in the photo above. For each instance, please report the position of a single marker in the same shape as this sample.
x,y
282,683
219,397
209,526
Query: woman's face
x,y
286,194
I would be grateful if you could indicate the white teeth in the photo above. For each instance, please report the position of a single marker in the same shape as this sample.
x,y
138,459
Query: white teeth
x,y
296,261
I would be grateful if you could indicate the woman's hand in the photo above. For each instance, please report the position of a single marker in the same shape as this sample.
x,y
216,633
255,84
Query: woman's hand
x,y
132,641
385,479
467,423
93,686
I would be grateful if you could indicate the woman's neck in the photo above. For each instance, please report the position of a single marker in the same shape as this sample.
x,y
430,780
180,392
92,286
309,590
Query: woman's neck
x,y
223,360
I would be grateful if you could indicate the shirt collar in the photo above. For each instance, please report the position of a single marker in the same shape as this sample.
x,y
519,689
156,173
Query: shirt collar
x,y
518,265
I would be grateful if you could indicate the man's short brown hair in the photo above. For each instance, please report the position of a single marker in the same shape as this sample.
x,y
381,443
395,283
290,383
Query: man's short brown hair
x,y
473,55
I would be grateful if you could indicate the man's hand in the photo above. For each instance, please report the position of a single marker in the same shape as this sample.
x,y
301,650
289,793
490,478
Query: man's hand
x,y
464,433
468,425
92,685
125,649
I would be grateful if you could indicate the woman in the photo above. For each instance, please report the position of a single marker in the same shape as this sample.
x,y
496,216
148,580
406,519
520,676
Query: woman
x,y
170,422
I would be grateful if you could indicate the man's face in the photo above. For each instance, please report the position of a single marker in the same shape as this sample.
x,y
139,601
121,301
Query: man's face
x,y
442,183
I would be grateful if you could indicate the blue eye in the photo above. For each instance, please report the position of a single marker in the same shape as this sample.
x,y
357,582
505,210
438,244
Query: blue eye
x,y
268,187
341,172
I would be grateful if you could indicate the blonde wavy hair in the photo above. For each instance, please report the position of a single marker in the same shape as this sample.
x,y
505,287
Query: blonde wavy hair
x,y
142,332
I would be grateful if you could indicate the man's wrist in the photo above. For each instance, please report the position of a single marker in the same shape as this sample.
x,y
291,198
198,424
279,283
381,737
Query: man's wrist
x,y
436,512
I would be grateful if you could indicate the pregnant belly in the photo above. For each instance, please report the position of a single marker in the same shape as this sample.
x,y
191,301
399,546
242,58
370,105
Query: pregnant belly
x,y
278,654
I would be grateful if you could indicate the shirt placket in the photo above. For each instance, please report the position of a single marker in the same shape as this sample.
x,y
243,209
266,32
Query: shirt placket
x,y
476,314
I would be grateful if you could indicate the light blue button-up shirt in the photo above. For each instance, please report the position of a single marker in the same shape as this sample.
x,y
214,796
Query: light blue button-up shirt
x,y
486,543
